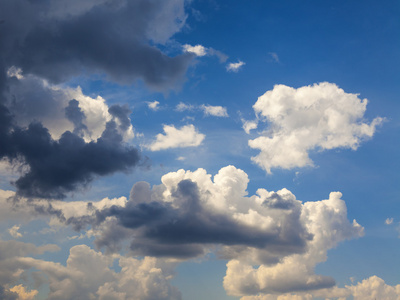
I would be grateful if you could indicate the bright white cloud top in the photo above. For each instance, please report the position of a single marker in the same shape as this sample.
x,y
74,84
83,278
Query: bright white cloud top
x,y
317,117
199,50
186,136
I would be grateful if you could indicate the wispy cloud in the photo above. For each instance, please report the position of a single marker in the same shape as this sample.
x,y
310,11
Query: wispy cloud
x,y
235,67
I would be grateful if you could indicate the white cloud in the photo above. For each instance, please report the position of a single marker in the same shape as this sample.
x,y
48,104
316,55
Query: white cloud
x,y
321,116
199,50
186,136
235,67
216,111
13,231
249,125
389,221
208,110
153,105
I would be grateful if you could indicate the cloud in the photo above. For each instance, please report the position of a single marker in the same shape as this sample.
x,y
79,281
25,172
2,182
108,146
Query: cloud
x,y
87,274
317,117
327,222
200,50
13,231
46,39
153,105
389,221
235,67
186,136
216,111
208,110
369,289
190,214
249,125
57,162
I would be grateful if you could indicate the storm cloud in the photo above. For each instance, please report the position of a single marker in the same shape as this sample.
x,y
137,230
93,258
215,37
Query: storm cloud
x,y
56,40
53,41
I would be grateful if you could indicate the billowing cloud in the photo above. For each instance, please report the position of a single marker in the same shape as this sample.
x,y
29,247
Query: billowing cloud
x,y
327,222
87,274
368,289
55,41
320,117
189,214
235,67
186,136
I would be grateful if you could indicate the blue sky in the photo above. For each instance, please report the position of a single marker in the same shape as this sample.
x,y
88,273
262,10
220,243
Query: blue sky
x,y
199,149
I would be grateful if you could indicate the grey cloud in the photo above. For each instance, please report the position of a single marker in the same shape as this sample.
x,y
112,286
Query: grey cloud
x,y
159,229
58,167
113,37
74,113
7,295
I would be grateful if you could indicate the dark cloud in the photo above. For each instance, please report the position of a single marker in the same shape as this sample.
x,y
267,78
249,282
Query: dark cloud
x,y
75,114
160,229
7,295
114,37
58,167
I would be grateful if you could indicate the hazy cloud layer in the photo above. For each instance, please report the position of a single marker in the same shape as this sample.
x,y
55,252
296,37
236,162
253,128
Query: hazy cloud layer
x,y
317,117
186,136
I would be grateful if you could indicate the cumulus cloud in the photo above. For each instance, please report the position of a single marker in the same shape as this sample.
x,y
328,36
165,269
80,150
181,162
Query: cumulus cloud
x,y
320,117
235,67
327,222
87,274
264,236
186,136
56,40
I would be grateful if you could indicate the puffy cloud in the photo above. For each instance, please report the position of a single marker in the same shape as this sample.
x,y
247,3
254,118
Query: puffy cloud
x,y
321,116
55,40
235,67
60,108
374,288
327,222
216,111
186,136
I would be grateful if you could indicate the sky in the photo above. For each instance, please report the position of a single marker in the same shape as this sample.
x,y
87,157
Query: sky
x,y
199,149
